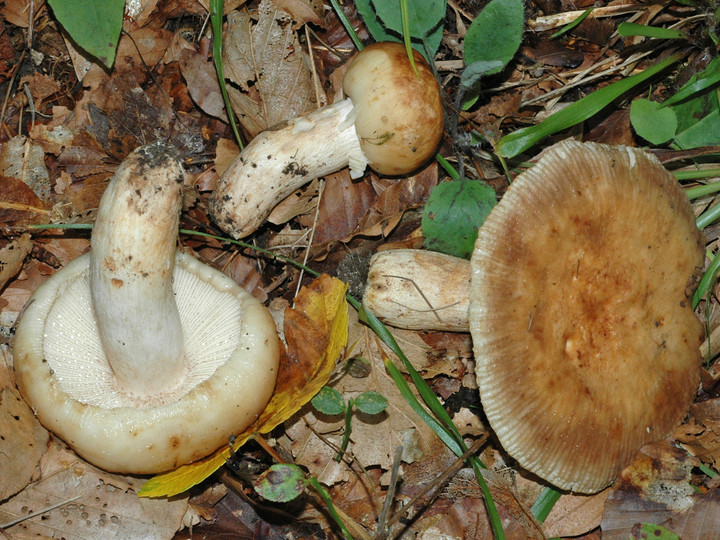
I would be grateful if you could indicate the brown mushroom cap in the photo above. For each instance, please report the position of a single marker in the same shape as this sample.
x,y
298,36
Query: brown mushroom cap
x,y
399,113
585,340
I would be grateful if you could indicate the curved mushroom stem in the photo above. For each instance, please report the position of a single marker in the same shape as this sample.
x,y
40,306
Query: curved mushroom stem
x,y
419,290
131,269
278,161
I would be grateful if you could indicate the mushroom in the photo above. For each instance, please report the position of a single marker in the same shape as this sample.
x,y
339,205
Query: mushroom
x,y
137,355
419,290
392,120
586,344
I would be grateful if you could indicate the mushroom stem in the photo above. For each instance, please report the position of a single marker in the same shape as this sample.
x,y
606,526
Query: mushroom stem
x,y
278,161
131,269
419,290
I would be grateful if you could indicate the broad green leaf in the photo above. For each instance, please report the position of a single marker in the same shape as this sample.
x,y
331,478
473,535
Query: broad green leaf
x,y
472,74
329,401
652,121
633,29
579,111
495,34
282,482
704,132
371,403
384,20
453,214
93,24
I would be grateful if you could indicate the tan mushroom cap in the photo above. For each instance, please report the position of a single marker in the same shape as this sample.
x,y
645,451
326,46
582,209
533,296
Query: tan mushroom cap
x,y
399,113
586,344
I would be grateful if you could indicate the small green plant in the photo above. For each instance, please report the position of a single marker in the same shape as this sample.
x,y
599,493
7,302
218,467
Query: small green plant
x,y
285,482
331,402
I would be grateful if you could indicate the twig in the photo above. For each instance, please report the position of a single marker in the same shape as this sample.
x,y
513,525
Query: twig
x,y
439,481
38,513
382,529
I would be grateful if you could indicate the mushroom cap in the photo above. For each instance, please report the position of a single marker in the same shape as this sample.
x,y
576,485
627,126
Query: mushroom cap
x,y
586,344
231,358
399,114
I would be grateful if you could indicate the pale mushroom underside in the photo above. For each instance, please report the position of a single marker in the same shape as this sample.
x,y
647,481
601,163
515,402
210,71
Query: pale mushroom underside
x,y
585,340
231,356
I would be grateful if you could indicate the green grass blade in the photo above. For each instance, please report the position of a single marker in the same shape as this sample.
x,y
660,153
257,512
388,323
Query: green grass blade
x,y
522,139
707,281
216,15
634,29
407,38
346,24
573,24
545,503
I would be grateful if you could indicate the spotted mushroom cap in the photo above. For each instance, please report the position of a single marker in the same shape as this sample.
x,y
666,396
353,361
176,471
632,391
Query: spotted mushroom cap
x,y
586,344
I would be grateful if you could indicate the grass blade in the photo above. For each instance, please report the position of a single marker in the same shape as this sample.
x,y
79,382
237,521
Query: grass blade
x,y
216,15
634,29
514,143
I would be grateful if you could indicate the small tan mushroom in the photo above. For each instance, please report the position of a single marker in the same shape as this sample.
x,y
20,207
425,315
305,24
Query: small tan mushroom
x,y
391,120
586,344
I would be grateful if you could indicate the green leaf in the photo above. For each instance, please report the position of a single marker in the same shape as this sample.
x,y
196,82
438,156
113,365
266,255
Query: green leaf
x,y
495,34
652,121
93,24
699,82
472,74
633,29
384,20
329,401
656,532
281,483
453,214
579,111
371,403
573,24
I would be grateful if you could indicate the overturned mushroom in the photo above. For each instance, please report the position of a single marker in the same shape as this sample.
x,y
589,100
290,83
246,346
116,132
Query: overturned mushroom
x,y
392,120
586,345
140,357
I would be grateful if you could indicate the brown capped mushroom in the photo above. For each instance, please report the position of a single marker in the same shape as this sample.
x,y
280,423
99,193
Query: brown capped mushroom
x,y
586,344
140,357
392,120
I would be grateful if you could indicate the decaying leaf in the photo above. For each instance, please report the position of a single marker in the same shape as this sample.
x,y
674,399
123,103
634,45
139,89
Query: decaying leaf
x,y
654,488
303,11
316,333
106,504
12,257
701,434
374,438
269,55
22,442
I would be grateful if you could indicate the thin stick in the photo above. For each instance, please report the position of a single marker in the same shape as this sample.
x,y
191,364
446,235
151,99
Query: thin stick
x,y
38,513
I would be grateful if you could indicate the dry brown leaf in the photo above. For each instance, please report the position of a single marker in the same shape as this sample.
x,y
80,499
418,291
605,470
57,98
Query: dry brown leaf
x,y
202,83
700,435
107,507
302,202
374,438
12,257
574,515
16,12
23,441
303,11
24,160
654,488
269,55
343,204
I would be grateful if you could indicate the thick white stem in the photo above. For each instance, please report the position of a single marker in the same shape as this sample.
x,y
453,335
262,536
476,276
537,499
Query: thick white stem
x,y
419,290
131,268
278,161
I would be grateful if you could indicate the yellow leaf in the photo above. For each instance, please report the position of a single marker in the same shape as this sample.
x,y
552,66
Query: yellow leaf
x,y
316,331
